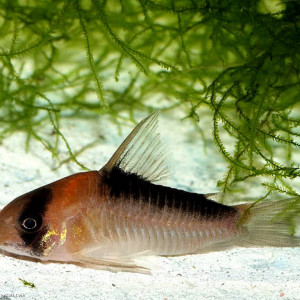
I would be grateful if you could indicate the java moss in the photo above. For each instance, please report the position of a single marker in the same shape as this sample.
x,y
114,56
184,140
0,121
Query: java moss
x,y
237,61
27,283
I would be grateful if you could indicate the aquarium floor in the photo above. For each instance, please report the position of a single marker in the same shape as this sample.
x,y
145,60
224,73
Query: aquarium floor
x,y
267,273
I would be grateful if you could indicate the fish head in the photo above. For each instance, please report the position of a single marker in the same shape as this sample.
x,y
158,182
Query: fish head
x,y
38,224
23,223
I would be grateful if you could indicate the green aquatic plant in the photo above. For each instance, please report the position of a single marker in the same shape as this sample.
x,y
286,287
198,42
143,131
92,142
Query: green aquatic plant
x,y
27,283
236,62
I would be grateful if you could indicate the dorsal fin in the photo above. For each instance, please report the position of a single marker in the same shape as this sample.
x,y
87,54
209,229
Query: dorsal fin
x,y
142,153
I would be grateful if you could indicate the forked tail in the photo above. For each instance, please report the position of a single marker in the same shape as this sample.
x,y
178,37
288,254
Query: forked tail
x,y
270,224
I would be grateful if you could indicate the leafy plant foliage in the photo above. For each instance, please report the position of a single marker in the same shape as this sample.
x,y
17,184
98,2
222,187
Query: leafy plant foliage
x,y
240,59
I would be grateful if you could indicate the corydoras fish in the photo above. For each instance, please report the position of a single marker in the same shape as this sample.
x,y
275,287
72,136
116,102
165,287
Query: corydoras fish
x,y
115,217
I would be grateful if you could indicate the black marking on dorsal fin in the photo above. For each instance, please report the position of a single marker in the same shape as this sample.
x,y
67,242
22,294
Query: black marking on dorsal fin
x,y
124,185
142,153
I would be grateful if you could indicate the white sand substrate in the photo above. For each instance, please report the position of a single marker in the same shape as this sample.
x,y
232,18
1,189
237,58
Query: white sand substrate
x,y
266,273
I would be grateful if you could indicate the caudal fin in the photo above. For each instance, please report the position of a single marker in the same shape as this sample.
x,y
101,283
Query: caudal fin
x,y
270,224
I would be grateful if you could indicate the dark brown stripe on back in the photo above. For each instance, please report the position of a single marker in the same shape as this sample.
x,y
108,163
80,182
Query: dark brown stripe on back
x,y
132,185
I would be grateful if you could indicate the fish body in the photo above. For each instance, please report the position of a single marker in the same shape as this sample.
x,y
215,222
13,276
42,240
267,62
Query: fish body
x,y
115,216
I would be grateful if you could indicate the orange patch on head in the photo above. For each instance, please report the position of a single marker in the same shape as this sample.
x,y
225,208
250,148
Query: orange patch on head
x,y
70,190
70,195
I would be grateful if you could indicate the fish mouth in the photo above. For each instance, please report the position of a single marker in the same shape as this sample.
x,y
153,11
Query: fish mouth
x,y
22,255
8,247
13,249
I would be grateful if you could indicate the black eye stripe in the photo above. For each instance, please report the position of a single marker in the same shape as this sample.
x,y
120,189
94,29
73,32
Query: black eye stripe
x,y
39,199
35,208
34,240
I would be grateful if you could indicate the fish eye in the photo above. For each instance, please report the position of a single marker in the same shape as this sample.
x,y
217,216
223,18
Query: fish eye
x,y
31,223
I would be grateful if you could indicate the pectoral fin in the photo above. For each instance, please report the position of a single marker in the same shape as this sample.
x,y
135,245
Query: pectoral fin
x,y
121,264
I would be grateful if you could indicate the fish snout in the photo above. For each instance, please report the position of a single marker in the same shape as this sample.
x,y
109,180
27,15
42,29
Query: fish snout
x,y
9,234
